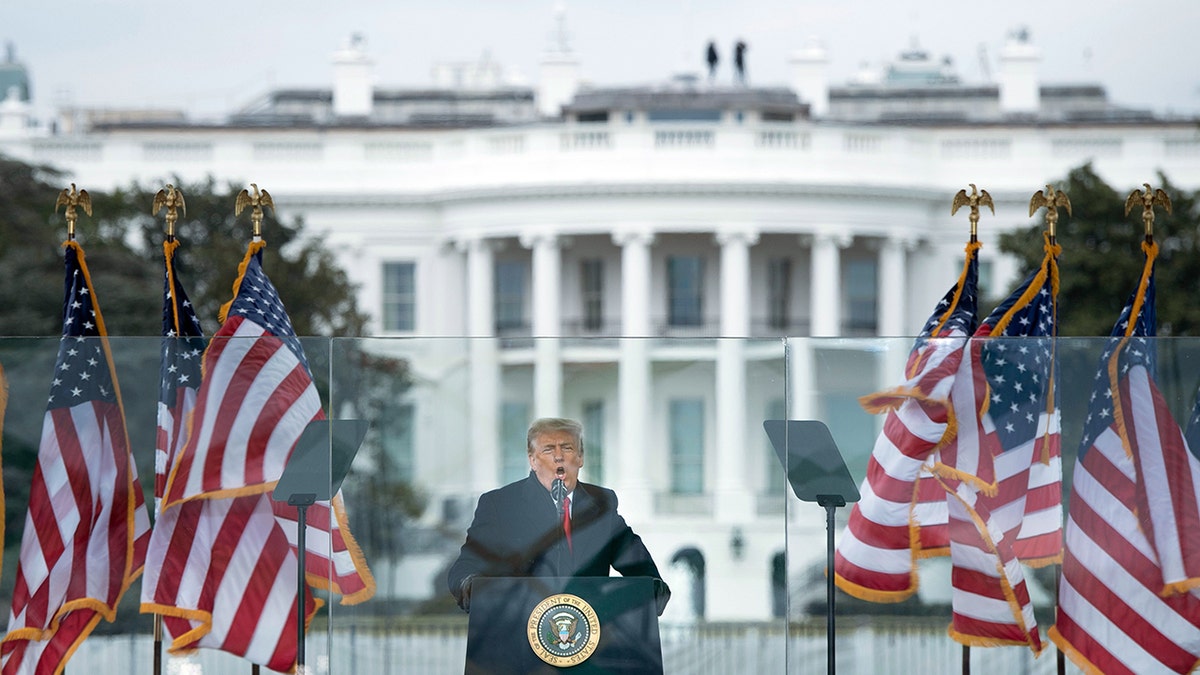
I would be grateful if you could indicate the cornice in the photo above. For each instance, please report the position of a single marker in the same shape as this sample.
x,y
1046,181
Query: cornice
x,y
456,197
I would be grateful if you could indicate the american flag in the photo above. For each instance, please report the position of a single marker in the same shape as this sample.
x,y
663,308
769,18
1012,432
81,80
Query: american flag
x,y
1003,471
87,527
901,515
1131,548
256,397
206,554
182,347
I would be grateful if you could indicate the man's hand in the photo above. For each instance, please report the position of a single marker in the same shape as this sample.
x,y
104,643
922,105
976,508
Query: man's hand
x,y
464,594
662,593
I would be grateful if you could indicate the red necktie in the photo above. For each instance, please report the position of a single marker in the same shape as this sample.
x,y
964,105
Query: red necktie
x,y
567,521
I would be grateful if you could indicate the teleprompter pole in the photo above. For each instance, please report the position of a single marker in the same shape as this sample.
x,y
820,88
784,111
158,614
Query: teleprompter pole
x,y
831,503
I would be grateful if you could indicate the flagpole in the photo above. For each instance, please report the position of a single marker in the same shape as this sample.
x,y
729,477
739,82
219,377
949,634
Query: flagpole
x,y
974,200
172,200
1052,200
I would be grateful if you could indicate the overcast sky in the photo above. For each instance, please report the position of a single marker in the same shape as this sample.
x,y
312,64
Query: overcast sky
x,y
214,56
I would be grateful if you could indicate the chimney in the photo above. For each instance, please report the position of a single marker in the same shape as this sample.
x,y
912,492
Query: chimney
x,y
810,76
353,89
1018,76
558,79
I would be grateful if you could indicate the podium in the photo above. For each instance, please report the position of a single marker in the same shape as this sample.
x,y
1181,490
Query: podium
x,y
550,625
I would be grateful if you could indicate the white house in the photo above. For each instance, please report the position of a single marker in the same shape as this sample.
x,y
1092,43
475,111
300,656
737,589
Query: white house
x,y
548,220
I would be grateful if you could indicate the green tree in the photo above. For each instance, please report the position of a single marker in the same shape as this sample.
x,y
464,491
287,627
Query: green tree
x,y
1101,257
123,246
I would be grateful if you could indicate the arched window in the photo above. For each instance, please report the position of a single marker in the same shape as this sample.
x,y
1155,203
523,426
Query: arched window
x,y
688,563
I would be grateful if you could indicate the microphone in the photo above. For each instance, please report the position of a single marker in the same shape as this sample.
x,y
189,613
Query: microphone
x,y
558,491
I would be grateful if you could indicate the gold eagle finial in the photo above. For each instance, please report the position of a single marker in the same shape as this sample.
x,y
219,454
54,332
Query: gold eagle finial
x,y
258,199
976,199
171,198
1148,199
71,198
1051,199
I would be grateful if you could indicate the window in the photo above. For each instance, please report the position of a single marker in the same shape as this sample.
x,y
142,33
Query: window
x,y
592,289
862,290
514,426
687,445
396,439
779,293
685,296
510,296
593,443
399,296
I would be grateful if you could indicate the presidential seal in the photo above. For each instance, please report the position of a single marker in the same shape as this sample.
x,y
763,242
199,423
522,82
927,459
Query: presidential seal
x,y
563,630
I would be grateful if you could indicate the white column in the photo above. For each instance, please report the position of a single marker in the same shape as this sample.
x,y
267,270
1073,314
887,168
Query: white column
x,y
630,473
484,386
635,281
802,404
735,281
547,322
827,283
734,498
892,287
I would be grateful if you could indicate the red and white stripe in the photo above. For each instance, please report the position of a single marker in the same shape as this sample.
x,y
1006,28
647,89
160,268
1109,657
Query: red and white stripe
x,y
170,437
256,399
1126,545
991,534
901,513
334,560
227,581
991,602
1040,539
85,537
228,551
1169,479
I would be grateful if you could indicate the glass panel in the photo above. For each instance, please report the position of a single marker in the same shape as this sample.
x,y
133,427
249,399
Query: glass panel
x,y
748,582
593,423
396,437
774,479
514,423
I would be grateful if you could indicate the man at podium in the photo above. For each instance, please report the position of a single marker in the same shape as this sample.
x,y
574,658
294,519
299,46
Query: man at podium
x,y
549,524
